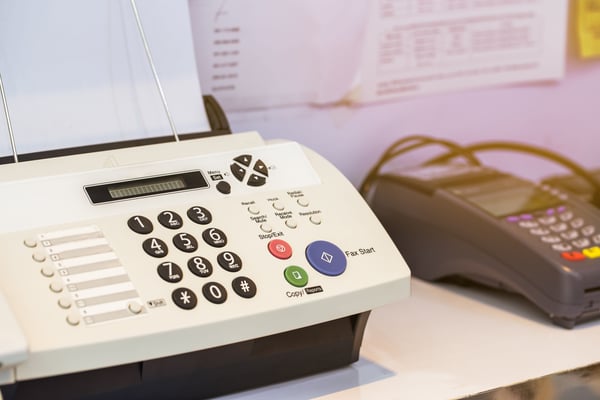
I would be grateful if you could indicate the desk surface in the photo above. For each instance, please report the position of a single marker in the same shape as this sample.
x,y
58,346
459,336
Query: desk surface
x,y
449,342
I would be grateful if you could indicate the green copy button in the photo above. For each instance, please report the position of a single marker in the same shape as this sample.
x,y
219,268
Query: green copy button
x,y
296,276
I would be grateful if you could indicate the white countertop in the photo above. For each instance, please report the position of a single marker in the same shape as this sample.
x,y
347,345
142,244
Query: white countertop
x,y
448,342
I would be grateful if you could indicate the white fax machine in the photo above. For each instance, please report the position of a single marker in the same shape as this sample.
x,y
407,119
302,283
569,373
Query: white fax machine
x,y
207,265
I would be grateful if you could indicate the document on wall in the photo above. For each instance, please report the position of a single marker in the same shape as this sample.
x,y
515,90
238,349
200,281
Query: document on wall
x,y
425,46
76,72
269,53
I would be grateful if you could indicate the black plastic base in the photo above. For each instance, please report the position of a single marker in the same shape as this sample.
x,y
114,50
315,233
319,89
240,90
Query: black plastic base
x,y
211,372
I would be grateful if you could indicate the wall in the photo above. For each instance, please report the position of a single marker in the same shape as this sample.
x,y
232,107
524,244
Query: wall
x,y
562,116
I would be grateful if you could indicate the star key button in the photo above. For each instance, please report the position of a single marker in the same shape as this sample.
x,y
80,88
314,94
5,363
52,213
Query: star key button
x,y
184,298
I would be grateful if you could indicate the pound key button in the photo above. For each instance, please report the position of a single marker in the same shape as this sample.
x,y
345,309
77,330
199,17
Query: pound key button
x,y
244,287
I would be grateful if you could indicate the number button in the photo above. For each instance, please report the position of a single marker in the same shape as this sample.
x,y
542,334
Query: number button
x,y
155,247
185,242
230,261
244,287
200,266
214,292
140,224
170,272
170,219
214,237
184,298
199,215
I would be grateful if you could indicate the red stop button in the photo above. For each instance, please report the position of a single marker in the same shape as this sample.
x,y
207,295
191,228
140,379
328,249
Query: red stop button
x,y
280,249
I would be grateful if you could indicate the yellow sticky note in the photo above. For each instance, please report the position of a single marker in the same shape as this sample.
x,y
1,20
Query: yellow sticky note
x,y
588,27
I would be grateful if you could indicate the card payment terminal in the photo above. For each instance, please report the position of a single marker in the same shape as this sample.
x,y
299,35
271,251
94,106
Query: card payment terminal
x,y
474,222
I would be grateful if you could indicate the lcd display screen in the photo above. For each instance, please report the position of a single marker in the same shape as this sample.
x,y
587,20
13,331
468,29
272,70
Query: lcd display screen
x,y
143,187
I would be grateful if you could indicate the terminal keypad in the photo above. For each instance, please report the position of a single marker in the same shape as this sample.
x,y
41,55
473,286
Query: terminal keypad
x,y
563,231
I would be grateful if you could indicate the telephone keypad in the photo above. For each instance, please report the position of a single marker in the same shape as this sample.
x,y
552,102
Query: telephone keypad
x,y
201,267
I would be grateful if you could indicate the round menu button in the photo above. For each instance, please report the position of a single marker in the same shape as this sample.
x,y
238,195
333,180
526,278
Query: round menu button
x,y
224,187
326,258
280,249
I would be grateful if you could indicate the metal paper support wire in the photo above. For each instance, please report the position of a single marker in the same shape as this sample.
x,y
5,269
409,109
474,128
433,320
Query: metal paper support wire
x,y
8,123
153,67
154,74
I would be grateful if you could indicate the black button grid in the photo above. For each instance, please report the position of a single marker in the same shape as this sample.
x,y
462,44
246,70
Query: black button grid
x,y
170,272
